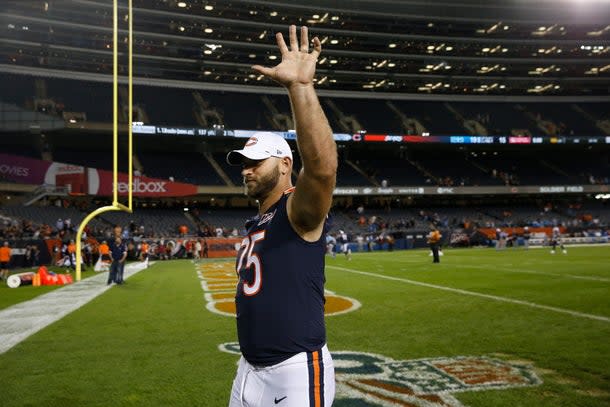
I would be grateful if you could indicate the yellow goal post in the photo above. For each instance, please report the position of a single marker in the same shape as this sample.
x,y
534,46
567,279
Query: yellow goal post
x,y
116,206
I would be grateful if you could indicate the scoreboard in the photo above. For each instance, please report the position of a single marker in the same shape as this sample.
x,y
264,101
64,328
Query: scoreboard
x,y
364,137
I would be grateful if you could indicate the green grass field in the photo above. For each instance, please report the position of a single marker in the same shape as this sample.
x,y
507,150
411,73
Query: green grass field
x,y
153,342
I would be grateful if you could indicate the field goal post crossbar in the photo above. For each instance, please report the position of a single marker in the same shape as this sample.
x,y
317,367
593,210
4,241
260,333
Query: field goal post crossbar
x,y
116,206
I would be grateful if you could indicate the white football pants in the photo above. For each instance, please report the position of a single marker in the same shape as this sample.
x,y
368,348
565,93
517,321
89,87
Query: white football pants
x,y
305,380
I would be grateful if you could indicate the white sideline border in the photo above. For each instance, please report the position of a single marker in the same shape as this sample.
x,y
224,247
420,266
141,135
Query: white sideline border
x,y
20,321
476,294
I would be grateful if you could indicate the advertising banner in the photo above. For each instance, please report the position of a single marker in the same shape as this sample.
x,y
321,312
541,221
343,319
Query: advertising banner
x,y
22,170
223,246
100,183
83,180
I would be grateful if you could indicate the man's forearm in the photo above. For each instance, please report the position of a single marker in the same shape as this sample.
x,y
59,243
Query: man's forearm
x,y
317,147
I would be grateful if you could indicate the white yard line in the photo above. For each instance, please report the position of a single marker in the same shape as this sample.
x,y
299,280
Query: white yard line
x,y
21,320
526,271
480,295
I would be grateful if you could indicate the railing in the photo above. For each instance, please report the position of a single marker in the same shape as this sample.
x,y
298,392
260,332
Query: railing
x,y
46,190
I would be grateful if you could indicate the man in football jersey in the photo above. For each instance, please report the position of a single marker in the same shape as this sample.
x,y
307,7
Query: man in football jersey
x,y
343,241
556,240
280,264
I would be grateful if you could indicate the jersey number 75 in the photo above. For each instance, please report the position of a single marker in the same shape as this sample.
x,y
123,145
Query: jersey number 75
x,y
252,260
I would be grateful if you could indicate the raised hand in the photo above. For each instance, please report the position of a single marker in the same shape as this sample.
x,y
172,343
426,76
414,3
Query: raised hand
x,y
298,65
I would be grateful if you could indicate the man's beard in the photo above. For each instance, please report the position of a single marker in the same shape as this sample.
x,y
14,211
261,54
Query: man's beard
x,y
264,185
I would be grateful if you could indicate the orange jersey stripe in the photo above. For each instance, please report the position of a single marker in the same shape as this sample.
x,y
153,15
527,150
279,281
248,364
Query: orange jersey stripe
x,y
316,379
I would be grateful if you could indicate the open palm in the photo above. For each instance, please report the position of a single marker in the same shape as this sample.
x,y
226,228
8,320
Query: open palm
x,y
298,65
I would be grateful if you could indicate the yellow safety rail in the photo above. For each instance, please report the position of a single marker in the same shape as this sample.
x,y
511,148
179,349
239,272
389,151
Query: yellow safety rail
x,y
116,206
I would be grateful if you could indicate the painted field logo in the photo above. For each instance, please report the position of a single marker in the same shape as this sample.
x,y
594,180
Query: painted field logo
x,y
371,380
218,281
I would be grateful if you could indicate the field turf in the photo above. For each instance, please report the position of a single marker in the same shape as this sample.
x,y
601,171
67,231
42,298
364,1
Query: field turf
x,y
153,342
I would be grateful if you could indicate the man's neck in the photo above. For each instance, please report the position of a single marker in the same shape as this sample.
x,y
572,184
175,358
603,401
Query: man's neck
x,y
272,198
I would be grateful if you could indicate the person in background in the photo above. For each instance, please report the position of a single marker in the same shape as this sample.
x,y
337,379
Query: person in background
x,y
343,243
161,250
71,251
118,252
5,259
556,240
104,251
526,238
434,240
87,253
117,231
360,242
205,249
197,250
28,256
144,253
35,256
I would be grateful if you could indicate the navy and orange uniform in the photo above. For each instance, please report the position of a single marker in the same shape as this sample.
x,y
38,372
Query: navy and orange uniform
x,y
280,292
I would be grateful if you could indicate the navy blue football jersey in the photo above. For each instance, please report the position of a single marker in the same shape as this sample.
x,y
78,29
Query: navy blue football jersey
x,y
280,292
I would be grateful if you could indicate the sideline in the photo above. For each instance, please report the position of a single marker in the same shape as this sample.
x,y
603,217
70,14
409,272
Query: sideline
x,y
480,295
22,320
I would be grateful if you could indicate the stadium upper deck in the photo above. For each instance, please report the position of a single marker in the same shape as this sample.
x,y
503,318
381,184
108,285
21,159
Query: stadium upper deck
x,y
377,48
389,67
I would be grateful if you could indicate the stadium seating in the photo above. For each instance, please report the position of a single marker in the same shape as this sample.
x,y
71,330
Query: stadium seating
x,y
156,222
187,167
93,159
233,172
433,115
48,215
565,116
247,110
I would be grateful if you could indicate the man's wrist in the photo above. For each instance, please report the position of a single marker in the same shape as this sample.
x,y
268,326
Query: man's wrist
x,y
299,87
